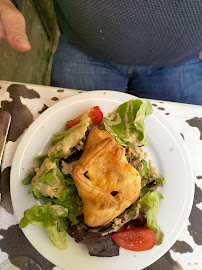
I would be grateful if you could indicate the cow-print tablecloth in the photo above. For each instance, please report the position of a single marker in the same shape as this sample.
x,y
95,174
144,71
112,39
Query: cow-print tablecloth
x,y
26,103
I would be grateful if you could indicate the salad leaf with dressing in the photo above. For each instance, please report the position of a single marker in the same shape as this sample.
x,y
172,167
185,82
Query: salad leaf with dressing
x,y
52,218
28,179
67,139
72,202
49,181
126,123
149,181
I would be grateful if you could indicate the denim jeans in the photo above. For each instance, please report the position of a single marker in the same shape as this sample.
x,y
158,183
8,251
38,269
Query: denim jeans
x,y
76,70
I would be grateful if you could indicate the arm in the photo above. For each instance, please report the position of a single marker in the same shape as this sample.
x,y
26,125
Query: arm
x,y
12,27
200,55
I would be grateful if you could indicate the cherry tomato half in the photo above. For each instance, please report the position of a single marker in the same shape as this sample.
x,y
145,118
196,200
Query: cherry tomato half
x,y
136,239
94,113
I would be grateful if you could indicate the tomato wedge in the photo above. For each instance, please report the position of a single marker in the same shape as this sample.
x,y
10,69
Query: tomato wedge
x,y
94,113
135,239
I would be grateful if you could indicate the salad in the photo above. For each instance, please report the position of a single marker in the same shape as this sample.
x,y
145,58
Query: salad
x,y
51,180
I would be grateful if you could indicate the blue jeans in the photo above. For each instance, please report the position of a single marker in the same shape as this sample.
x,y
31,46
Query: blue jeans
x,y
76,70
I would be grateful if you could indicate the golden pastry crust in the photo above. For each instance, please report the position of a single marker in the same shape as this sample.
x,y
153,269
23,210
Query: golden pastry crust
x,y
105,181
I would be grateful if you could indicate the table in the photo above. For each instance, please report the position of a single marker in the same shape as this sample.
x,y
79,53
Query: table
x,y
26,102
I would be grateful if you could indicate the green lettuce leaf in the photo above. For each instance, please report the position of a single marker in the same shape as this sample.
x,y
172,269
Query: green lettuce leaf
x,y
59,154
149,182
69,139
152,200
57,238
126,123
145,171
57,137
74,204
27,180
72,201
53,218
49,181
40,160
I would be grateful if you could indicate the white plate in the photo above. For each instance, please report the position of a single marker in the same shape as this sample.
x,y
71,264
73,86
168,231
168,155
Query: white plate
x,y
178,190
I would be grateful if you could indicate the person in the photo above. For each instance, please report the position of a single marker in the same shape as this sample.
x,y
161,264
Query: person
x,y
155,44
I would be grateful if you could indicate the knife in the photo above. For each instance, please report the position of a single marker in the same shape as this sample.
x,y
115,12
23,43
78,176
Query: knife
x,y
5,119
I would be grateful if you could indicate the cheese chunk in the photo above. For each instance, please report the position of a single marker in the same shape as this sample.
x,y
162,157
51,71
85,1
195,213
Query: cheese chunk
x,y
106,183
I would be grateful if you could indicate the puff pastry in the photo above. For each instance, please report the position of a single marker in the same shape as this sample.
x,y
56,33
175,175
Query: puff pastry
x,y
105,181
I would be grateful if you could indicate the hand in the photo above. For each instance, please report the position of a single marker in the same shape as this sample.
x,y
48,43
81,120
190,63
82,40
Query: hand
x,y
12,27
200,55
